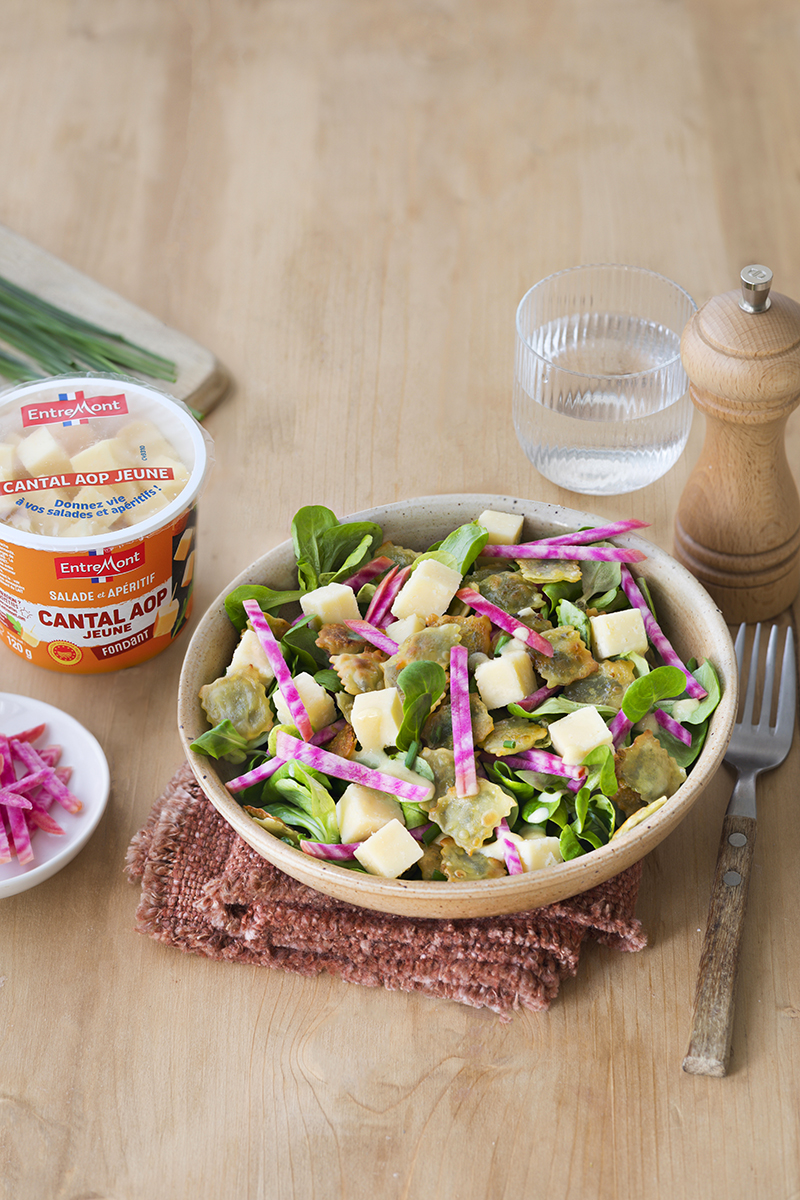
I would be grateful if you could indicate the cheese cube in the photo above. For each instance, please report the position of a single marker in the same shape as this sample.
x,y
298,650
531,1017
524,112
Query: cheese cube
x,y
683,709
7,505
428,591
534,852
139,436
85,528
163,491
249,654
331,605
90,506
618,633
108,455
398,631
53,501
8,459
122,491
41,454
317,702
169,487
575,735
504,529
376,718
512,646
506,679
390,851
362,811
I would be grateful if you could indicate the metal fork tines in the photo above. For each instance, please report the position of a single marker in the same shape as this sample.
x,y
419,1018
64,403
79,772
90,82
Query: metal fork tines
x,y
754,748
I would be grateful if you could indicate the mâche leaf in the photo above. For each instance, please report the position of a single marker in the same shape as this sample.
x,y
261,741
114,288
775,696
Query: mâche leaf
x,y
223,741
646,691
328,551
269,601
421,684
461,547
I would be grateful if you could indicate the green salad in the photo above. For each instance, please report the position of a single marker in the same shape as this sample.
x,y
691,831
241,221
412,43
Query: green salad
x,y
483,707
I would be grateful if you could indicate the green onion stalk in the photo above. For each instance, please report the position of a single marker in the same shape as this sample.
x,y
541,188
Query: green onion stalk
x,y
55,342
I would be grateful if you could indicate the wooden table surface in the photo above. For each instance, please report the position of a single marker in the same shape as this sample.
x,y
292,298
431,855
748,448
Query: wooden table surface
x,y
345,200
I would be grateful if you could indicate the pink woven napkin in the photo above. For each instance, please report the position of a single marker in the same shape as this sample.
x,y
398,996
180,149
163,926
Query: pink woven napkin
x,y
204,890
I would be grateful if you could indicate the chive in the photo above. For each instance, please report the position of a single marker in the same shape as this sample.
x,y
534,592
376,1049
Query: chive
x,y
57,341
15,369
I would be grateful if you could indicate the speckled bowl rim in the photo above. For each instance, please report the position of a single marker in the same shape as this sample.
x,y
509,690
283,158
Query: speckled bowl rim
x,y
686,611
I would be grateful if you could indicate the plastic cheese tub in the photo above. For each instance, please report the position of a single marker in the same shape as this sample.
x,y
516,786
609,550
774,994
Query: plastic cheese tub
x,y
99,480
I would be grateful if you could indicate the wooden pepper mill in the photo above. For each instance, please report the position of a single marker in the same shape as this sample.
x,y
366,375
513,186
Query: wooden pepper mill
x,y
738,522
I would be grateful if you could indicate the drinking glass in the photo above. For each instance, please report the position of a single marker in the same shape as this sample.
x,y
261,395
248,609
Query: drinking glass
x,y
601,402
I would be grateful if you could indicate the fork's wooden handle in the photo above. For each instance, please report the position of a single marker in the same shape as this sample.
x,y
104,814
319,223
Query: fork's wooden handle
x,y
712,1025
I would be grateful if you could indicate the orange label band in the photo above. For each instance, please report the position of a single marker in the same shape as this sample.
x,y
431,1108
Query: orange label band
x,y
97,611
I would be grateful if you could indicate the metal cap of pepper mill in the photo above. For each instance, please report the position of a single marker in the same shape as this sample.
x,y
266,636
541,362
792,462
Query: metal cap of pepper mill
x,y
738,522
756,282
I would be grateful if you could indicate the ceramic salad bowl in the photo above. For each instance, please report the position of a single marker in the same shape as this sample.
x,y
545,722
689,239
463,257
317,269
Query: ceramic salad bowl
x,y
686,613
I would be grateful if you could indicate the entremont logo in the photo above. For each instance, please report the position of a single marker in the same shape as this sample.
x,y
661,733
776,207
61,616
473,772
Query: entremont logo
x,y
100,565
75,411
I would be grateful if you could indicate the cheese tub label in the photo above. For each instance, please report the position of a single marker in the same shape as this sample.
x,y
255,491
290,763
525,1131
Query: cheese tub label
x,y
102,609
99,481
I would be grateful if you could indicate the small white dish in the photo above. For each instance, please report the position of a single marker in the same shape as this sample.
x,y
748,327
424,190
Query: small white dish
x,y
90,781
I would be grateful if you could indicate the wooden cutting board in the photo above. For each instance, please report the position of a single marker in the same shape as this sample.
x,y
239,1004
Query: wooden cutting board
x,y
202,380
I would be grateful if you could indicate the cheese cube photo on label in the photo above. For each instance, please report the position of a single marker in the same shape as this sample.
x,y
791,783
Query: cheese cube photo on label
x,y
165,618
184,544
575,735
428,591
188,571
330,605
390,851
504,529
618,633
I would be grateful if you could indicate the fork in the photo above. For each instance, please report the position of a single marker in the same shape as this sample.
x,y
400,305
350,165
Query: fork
x,y
753,748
